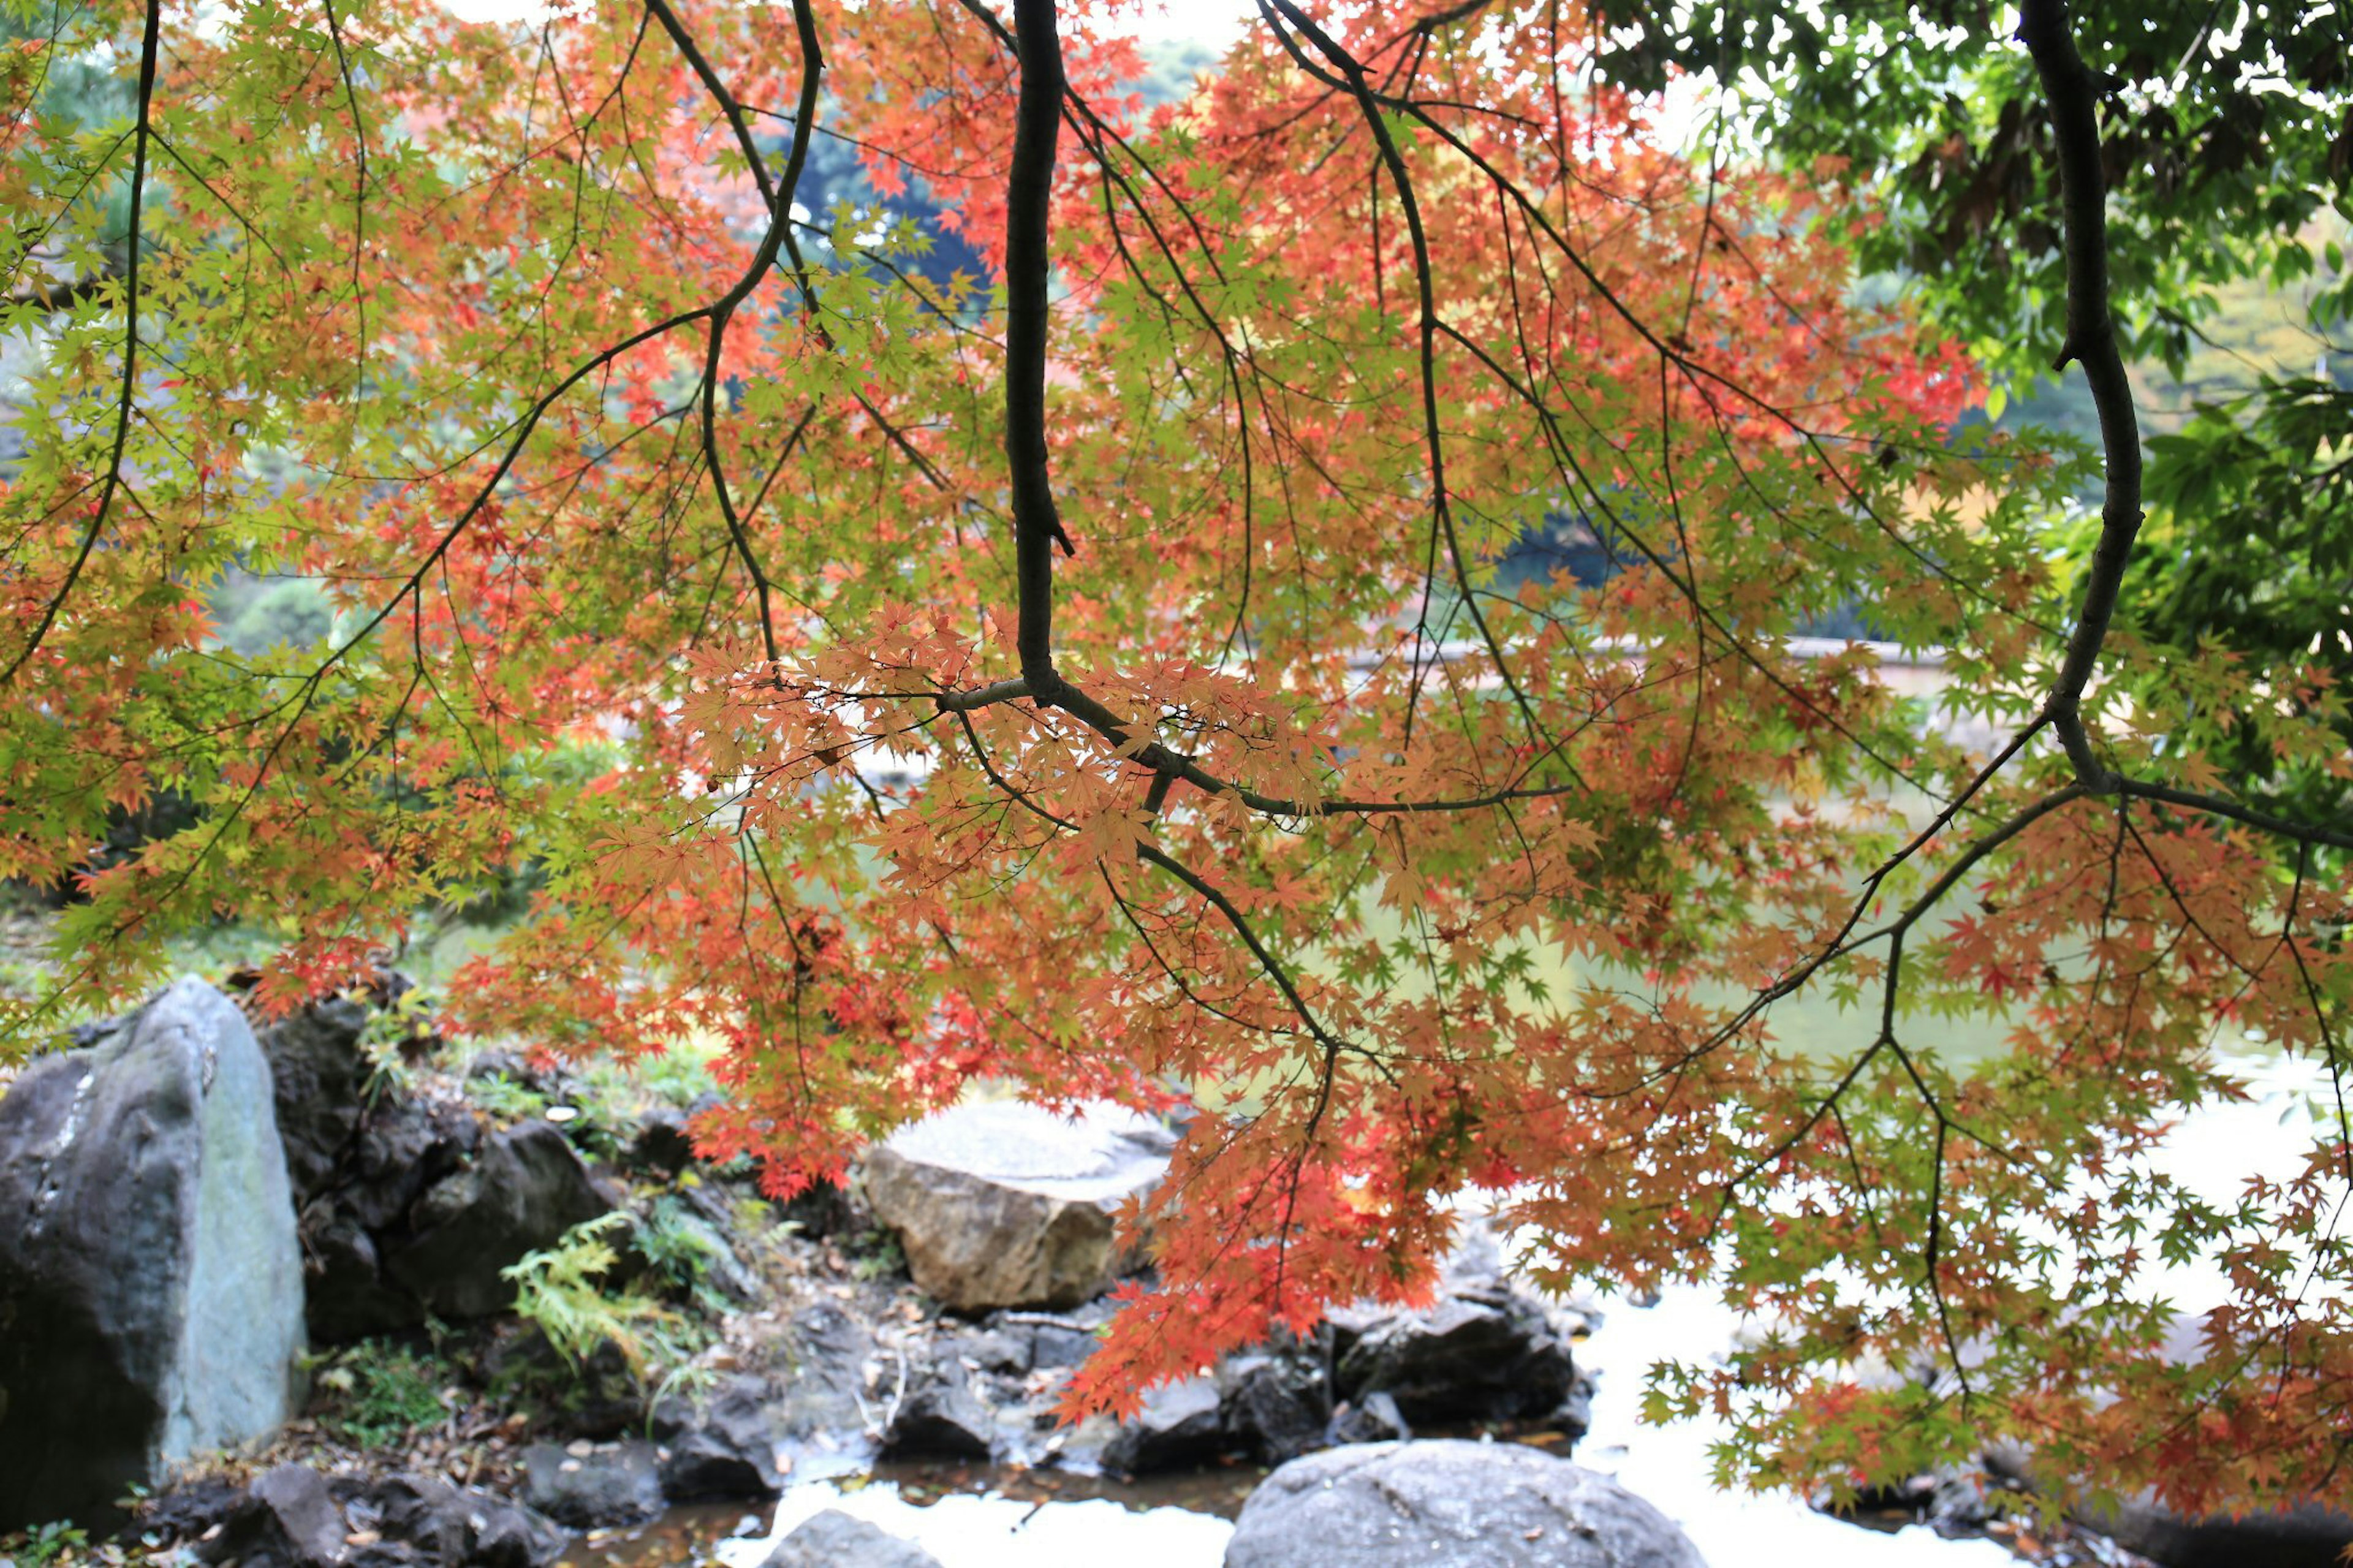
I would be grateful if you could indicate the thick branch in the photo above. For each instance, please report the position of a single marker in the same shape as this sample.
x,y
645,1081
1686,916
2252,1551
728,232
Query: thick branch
x,y
2074,93
1037,524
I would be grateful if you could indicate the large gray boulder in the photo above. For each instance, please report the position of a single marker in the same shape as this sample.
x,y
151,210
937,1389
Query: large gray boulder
x,y
1004,1204
1450,1505
151,1290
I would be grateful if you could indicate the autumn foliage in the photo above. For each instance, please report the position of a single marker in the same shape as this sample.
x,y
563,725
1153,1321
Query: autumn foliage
x,y
1112,683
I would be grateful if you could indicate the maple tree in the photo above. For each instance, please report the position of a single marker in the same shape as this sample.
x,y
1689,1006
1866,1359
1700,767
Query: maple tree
x,y
1093,673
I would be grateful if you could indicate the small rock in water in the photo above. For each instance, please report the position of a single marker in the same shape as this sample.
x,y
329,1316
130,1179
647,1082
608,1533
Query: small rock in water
x,y
1450,1505
1468,1357
834,1540
1280,1401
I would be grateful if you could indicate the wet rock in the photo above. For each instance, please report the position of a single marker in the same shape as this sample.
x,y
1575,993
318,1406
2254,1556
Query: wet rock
x,y
151,1289
590,1486
1481,1351
1181,1424
942,1416
523,1190
1450,1505
727,1449
1005,1350
287,1519
826,1349
1281,1403
400,1148
1053,1345
453,1525
1004,1204
345,1295
1375,1418
319,1073
2313,1535
834,1540
1952,1501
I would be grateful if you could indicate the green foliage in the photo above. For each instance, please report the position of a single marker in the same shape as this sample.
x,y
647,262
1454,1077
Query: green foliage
x,y
681,1249
876,1254
505,1099
43,1545
2227,133
292,613
383,1392
563,1291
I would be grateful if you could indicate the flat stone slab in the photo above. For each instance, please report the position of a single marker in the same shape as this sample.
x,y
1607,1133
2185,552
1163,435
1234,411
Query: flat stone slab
x,y
1004,1204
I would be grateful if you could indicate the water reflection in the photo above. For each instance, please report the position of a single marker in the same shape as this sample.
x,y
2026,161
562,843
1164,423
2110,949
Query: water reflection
x,y
965,1514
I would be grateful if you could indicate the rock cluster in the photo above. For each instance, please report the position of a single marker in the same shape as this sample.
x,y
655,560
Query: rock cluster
x,y
292,1517
409,1208
1481,1351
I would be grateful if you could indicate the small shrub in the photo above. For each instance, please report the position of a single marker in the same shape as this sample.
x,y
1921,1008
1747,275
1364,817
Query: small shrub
x,y
876,1254
679,1248
384,1393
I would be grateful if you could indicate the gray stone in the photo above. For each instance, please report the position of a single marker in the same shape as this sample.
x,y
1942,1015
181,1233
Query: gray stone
x,y
1450,1505
460,1526
1280,1401
942,1416
1181,1424
287,1519
151,1289
1373,1419
1004,1204
523,1191
727,1449
1465,1358
834,1540
319,1076
2313,1535
1481,1351
613,1483
826,1349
